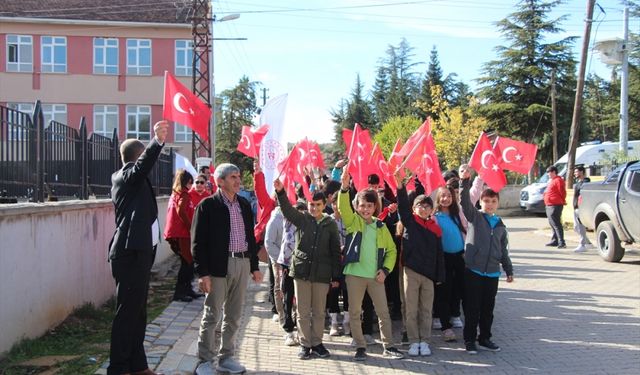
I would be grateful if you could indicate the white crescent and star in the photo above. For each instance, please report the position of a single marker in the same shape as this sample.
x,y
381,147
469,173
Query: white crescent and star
x,y
505,152
484,155
176,104
302,153
246,141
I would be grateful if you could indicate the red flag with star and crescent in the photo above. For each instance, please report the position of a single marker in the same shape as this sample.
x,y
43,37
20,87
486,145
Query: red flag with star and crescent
x,y
382,168
423,162
251,139
359,147
485,161
182,106
515,155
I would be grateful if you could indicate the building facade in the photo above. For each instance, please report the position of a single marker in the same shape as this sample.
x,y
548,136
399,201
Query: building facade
x,y
104,60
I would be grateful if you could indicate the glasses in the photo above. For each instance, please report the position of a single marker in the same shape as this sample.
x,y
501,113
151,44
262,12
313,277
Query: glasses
x,y
423,206
199,182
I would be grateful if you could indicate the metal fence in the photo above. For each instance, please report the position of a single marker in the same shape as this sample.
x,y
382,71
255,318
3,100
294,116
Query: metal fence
x,y
53,161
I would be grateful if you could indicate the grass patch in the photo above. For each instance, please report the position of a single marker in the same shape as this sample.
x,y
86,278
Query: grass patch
x,y
86,332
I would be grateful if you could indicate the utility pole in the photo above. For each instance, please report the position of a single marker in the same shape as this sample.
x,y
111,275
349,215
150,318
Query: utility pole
x,y
624,86
200,64
264,96
554,115
577,107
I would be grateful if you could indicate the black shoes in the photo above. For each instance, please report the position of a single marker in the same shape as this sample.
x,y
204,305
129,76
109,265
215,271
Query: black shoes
x,y
562,245
304,353
471,347
361,354
184,298
552,243
320,351
488,345
194,294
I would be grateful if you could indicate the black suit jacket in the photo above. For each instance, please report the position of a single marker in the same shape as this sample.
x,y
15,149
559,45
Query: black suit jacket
x,y
210,232
135,204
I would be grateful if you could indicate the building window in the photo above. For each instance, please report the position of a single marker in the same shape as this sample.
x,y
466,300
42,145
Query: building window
x,y
182,133
184,57
105,119
105,56
139,56
54,54
139,122
19,130
54,112
19,53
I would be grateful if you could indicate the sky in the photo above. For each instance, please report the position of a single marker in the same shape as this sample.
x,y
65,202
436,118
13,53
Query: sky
x,y
313,50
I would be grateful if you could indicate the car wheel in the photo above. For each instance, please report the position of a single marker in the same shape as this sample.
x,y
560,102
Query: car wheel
x,y
608,241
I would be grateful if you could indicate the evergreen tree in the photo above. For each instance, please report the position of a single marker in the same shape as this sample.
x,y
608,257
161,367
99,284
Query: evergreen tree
x,y
517,84
238,109
356,109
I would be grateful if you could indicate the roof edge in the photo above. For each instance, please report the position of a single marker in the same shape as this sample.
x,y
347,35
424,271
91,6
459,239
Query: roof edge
x,y
61,21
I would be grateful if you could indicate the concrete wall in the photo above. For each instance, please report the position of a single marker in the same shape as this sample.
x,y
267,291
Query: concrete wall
x,y
53,258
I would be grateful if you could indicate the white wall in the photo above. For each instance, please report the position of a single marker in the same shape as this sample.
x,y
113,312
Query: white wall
x,y
53,258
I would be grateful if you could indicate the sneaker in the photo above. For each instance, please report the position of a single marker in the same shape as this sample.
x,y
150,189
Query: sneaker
x,y
405,338
334,331
448,335
361,354
230,365
456,322
580,249
320,351
369,339
392,353
275,318
346,328
552,243
290,339
436,323
424,349
205,368
562,246
414,349
304,353
488,345
471,347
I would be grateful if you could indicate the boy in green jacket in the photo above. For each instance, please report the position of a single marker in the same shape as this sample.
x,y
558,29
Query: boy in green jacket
x,y
369,256
315,264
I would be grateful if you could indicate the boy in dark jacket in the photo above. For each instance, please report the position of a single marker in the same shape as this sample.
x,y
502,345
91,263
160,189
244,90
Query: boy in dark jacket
x,y
423,261
485,249
315,264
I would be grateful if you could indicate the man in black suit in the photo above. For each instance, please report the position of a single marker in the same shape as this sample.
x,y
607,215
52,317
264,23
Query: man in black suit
x,y
224,254
132,251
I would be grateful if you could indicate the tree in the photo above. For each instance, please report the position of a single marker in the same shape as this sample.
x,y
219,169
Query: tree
x,y
516,86
398,127
433,77
356,109
238,109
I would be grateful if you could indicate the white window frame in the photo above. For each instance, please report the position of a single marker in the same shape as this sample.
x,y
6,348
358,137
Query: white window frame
x,y
134,68
50,47
20,42
102,112
184,68
17,133
110,45
55,112
182,133
133,129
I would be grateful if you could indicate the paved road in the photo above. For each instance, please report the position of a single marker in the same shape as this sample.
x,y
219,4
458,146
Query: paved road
x,y
565,313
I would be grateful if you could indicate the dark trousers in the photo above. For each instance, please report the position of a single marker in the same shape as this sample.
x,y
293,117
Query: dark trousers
x,y
288,293
272,283
183,282
333,297
392,288
131,273
554,214
367,315
449,293
478,303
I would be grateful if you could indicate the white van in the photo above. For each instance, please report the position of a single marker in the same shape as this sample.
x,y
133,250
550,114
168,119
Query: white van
x,y
531,197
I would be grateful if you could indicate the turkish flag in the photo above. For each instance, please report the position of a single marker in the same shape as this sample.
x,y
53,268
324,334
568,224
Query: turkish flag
x,y
359,152
182,106
411,142
515,155
312,154
292,171
487,164
382,167
251,139
423,162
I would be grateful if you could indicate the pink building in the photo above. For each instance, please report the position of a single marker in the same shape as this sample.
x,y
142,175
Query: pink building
x,y
104,60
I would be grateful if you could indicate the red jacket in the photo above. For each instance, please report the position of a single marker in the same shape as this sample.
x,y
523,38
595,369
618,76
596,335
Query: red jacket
x,y
179,214
197,197
555,194
266,204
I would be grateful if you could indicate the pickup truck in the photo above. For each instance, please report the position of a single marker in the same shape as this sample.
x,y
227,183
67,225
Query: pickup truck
x,y
612,209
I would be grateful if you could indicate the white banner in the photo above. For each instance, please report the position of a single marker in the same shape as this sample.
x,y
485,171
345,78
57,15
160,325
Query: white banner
x,y
184,163
274,146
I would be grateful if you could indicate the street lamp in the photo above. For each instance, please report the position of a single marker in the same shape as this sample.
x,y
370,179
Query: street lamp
x,y
212,83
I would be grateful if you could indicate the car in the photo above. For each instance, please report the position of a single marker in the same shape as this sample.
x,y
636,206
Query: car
x,y
611,208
